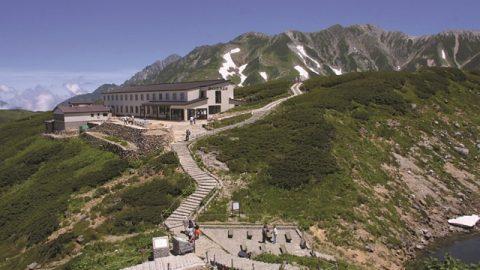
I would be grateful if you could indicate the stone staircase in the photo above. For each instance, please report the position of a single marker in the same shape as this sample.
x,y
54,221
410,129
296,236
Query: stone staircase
x,y
205,185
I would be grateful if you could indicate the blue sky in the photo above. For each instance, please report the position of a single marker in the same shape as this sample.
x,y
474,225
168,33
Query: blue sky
x,y
50,44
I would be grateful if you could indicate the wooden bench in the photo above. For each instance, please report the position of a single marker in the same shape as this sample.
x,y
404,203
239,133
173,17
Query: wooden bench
x,y
283,249
249,235
288,237
230,234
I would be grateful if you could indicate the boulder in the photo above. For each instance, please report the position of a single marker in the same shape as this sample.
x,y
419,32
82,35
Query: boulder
x,y
80,239
33,266
462,150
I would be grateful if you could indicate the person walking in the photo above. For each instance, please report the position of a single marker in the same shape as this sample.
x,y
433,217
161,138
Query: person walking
x,y
197,232
264,233
185,225
187,135
274,234
194,120
191,120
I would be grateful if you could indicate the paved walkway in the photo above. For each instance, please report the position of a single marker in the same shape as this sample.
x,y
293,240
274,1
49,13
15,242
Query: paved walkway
x,y
206,184
205,181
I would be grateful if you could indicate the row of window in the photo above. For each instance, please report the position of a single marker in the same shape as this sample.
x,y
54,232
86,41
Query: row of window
x,y
130,109
153,96
217,88
98,114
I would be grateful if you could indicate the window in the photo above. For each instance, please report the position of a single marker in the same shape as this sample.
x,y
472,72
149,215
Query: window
x,y
136,109
218,96
160,96
167,96
131,109
153,96
174,96
136,97
105,114
121,109
213,109
131,96
182,96
104,98
148,110
203,94
121,97
148,96
141,96
116,97
91,115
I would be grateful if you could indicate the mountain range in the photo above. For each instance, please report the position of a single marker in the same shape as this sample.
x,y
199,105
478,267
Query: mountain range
x,y
253,57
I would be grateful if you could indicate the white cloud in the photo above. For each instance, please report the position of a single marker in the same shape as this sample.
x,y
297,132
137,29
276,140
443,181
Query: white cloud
x,y
42,90
74,88
4,88
44,102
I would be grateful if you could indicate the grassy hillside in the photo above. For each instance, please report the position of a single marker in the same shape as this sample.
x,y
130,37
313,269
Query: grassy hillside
x,y
256,96
362,160
11,115
53,193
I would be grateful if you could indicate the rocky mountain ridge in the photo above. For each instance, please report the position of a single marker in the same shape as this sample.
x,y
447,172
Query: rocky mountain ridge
x,y
256,57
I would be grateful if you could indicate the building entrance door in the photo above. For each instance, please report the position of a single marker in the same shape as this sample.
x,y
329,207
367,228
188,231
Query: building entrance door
x,y
190,113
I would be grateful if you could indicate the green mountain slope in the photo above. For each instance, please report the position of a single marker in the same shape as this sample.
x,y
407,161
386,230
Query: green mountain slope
x,y
368,162
335,50
11,115
59,197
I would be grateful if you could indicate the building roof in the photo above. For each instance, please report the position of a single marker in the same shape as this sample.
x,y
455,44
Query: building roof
x,y
81,109
167,86
73,102
174,102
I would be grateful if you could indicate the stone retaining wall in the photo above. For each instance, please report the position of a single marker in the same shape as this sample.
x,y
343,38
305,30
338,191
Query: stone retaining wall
x,y
141,137
110,146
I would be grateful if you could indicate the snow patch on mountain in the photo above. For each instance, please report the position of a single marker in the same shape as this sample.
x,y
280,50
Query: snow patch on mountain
x,y
242,76
300,50
264,75
444,55
337,71
228,67
302,71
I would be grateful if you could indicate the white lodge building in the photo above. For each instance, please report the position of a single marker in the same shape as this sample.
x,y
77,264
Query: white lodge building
x,y
171,101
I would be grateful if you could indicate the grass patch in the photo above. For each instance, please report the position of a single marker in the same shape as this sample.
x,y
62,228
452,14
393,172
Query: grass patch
x,y
117,255
259,95
116,140
309,262
229,121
